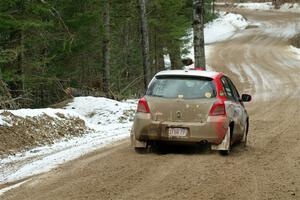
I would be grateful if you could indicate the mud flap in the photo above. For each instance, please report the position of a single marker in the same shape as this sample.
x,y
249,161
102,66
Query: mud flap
x,y
137,144
225,145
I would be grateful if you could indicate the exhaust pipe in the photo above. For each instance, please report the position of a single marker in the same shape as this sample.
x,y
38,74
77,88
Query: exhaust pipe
x,y
203,142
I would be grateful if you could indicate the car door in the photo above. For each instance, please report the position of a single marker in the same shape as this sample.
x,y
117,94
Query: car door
x,y
233,107
240,112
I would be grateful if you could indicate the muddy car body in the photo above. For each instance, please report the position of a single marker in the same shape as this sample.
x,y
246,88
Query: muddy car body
x,y
191,106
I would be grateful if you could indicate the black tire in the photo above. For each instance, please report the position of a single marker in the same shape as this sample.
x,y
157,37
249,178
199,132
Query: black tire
x,y
140,150
245,135
225,152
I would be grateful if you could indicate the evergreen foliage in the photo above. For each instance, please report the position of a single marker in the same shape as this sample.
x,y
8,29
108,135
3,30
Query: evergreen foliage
x,y
49,45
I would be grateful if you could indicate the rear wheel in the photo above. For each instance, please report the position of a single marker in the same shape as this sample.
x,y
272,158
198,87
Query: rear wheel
x,y
225,152
140,150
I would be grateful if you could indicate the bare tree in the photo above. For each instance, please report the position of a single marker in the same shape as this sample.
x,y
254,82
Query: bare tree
x,y
6,100
198,26
145,42
106,49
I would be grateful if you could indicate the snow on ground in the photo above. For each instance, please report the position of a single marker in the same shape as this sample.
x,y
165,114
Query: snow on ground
x,y
99,112
38,112
286,7
110,120
255,6
287,30
224,27
167,61
290,7
220,29
295,51
2,191
2,122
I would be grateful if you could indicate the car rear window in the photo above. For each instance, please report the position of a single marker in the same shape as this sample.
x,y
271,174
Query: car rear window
x,y
182,87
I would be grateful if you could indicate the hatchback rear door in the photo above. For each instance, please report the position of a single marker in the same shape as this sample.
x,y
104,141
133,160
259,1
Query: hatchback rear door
x,y
181,98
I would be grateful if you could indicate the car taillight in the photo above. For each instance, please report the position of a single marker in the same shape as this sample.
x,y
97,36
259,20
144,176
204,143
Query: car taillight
x,y
143,106
217,109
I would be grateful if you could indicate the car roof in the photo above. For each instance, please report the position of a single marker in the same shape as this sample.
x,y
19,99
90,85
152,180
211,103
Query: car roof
x,y
200,73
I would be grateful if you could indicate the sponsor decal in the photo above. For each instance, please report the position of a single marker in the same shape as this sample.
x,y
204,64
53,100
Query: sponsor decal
x,y
178,114
208,95
222,94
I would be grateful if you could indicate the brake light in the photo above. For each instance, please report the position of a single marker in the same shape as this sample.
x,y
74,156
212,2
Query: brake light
x,y
217,109
143,106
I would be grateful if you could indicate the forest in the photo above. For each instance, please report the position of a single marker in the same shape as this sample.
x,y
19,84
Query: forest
x,y
52,49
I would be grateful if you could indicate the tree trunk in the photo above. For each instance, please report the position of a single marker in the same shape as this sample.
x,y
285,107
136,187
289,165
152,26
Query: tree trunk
x,y
106,49
155,53
175,57
1,77
198,26
145,43
160,60
20,60
277,3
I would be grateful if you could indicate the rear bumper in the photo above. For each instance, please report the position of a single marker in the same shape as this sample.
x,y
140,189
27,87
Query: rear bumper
x,y
213,130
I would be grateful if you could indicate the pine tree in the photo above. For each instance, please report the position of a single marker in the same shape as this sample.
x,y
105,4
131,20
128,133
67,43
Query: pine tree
x,y
47,46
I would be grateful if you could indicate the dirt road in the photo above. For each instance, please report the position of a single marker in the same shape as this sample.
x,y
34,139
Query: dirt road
x,y
269,168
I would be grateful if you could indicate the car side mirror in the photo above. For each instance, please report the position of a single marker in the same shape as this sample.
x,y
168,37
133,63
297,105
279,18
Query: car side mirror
x,y
246,97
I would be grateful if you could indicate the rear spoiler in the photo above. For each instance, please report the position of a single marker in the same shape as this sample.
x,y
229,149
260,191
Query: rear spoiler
x,y
198,68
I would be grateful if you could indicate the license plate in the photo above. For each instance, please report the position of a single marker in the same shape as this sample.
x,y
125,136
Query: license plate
x,y
177,132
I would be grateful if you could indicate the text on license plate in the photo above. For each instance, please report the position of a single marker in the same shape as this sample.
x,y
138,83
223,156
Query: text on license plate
x,y
177,132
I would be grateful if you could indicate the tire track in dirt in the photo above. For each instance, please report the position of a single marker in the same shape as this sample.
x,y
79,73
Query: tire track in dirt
x,y
268,59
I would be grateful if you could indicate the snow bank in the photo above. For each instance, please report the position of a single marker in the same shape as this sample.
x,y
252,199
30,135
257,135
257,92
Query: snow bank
x,y
286,7
295,51
110,120
54,113
27,128
220,29
102,113
290,7
255,6
2,122
224,27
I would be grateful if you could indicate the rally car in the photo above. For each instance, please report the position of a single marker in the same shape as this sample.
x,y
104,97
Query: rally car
x,y
191,106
